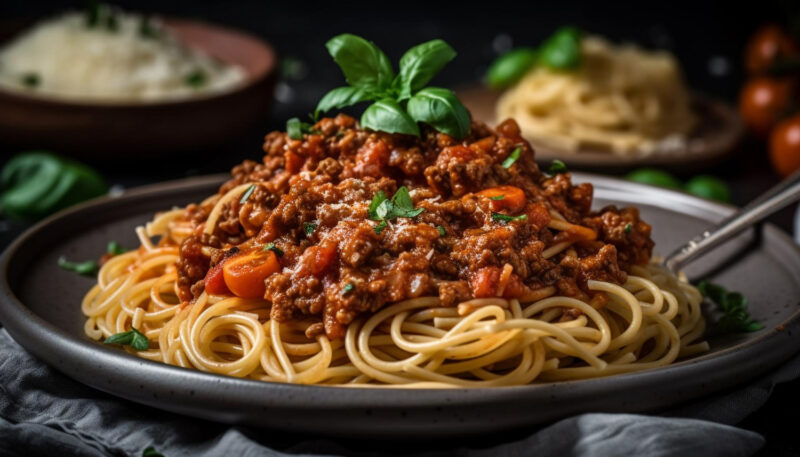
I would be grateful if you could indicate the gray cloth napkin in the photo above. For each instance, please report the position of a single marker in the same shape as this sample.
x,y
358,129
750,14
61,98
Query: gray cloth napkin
x,y
42,412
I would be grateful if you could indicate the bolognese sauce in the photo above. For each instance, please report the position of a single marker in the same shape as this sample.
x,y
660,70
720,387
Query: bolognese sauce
x,y
345,221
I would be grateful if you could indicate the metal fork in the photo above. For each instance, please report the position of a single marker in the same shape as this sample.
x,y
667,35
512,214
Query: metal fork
x,y
782,194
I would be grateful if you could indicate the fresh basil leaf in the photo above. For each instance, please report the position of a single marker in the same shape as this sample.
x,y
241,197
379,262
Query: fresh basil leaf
x,y
87,268
247,193
403,206
510,67
115,248
196,78
385,210
733,305
364,65
271,247
562,51
420,64
341,97
147,30
513,157
379,198
379,228
150,451
38,183
31,80
294,128
497,197
441,230
557,167
387,115
309,227
441,109
628,228
506,218
133,338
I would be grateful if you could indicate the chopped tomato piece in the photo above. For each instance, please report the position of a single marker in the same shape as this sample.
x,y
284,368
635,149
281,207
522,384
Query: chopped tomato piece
x,y
505,197
484,283
245,273
316,259
215,282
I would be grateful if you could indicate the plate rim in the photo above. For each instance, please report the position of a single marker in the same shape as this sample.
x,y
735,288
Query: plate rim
x,y
25,325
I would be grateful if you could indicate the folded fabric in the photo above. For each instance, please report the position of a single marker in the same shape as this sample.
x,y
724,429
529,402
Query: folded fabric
x,y
42,412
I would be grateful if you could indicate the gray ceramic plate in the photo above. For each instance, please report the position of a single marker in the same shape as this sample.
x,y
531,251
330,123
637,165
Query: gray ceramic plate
x,y
40,306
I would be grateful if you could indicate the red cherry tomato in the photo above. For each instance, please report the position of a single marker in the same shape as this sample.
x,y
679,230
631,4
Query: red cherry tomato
x,y
784,146
245,273
762,101
768,45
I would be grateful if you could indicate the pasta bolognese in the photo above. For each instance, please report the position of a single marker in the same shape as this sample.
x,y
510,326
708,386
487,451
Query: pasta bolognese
x,y
359,258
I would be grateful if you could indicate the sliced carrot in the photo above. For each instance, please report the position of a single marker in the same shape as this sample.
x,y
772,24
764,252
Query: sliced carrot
x,y
505,197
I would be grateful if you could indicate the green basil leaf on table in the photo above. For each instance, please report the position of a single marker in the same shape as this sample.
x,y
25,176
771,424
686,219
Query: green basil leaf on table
x,y
441,109
115,248
37,183
420,64
387,115
364,65
342,97
562,51
510,67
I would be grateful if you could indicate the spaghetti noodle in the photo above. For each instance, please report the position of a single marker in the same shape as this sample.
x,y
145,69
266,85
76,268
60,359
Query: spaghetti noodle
x,y
621,99
650,320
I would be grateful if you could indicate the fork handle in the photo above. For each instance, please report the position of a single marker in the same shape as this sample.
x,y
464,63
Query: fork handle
x,y
782,194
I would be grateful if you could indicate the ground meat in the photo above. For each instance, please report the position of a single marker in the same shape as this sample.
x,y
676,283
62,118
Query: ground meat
x,y
314,202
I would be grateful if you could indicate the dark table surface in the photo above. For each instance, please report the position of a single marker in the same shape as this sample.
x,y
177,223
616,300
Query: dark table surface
x,y
707,43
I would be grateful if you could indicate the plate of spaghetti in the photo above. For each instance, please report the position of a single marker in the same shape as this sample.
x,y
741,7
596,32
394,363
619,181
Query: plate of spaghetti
x,y
584,100
384,277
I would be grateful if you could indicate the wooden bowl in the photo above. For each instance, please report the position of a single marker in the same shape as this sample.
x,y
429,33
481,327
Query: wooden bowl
x,y
151,128
718,132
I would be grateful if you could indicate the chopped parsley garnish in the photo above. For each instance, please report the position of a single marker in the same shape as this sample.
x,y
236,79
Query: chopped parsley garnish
x,y
150,451
498,197
506,218
115,248
733,305
513,157
296,128
247,194
132,338
557,167
271,247
628,228
147,30
31,79
196,78
87,268
384,209
441,230
309,227
348,288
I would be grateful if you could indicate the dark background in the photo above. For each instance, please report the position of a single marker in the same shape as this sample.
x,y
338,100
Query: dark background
x,y
707,38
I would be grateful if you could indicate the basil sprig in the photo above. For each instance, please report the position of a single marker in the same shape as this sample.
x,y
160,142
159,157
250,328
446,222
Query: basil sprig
x,y
400,101
733,305
133,338
384,209
561,51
